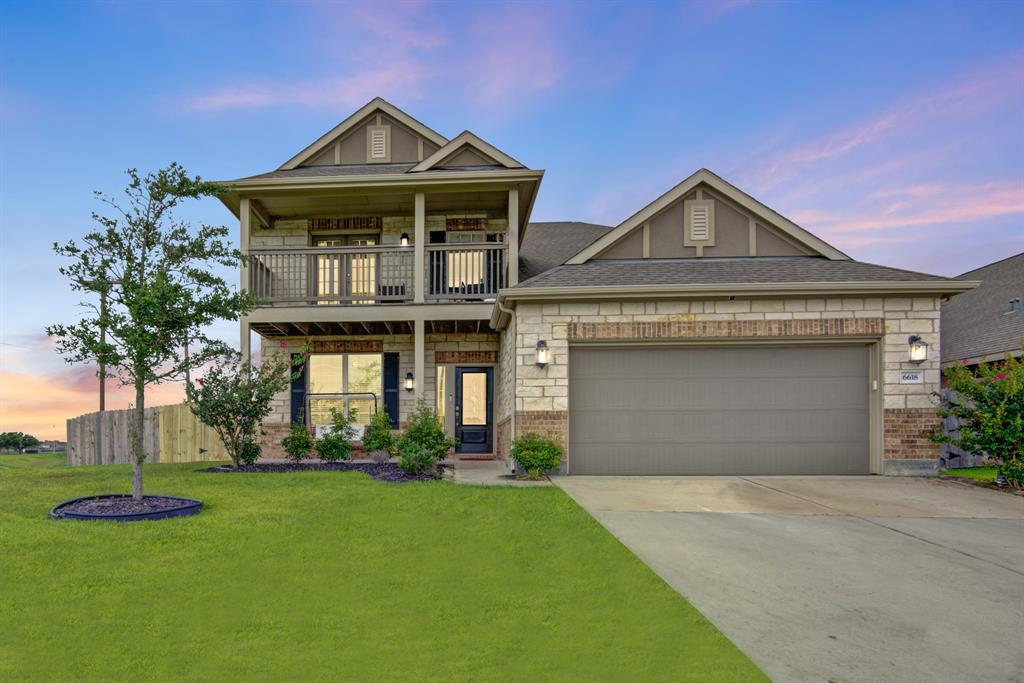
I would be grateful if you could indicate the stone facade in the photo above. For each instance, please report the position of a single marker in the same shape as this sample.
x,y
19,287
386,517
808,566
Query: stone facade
x,y
542,394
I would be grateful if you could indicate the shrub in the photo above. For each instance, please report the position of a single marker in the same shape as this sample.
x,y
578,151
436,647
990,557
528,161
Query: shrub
x,y
337,444
536,455
989,405
250,453
298,444
424,442
234,397
378,437
380,457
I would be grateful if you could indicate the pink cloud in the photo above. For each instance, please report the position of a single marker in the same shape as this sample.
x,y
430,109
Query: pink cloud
x,y
982,89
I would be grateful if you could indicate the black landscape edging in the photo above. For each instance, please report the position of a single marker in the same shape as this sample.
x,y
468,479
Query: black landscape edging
x,y
190,506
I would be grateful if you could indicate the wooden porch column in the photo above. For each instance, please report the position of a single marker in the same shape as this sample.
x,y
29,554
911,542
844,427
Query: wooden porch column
x,y
419,264
244,222
513,237
418,353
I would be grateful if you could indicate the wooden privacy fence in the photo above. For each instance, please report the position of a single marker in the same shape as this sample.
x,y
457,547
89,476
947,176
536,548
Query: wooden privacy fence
x,y
169,434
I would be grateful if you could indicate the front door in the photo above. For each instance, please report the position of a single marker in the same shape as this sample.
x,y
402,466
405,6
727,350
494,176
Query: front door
x,y
474,409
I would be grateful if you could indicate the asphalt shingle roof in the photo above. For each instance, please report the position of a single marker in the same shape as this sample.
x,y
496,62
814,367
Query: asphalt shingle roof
x,y
725,271
547,245
977,323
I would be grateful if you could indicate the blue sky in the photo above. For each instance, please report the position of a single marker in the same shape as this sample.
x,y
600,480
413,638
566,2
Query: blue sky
x,y
893,130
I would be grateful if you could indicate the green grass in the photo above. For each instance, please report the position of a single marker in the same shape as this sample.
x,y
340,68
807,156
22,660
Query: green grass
x,y
15,462
334,576
979,473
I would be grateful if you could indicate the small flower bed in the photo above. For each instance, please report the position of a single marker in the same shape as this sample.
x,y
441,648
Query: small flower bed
x,y
381,472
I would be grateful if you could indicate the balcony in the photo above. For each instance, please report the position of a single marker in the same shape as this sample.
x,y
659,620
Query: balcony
x,y
374,275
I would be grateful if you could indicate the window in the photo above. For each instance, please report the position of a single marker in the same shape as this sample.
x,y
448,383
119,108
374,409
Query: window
x,y
350,274
335,376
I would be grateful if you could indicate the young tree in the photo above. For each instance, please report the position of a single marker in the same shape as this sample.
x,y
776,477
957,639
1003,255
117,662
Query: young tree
x,y
157,275
233,398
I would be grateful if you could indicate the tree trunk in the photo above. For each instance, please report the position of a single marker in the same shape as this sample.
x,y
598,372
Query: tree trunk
x,y
138,443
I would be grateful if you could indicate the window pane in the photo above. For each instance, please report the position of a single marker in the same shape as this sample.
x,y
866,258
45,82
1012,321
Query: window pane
x,y
474,398
364,375
325,373
320,409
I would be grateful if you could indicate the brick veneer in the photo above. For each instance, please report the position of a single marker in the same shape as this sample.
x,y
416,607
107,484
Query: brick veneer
x,y
550,424
689,329
907,432
441,357
270,441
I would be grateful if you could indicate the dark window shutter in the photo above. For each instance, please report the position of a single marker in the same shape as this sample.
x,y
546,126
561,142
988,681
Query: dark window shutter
x,y
299,391
391,387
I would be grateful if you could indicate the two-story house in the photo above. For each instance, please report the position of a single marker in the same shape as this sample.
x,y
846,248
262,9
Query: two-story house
x,y
706,334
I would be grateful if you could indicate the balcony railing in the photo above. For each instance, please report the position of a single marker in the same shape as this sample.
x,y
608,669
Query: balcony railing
x,y
376,275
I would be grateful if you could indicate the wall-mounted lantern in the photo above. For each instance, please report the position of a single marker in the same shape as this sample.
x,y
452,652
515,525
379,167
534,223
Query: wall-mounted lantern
x,y
918,349
543,353
405,239
410,383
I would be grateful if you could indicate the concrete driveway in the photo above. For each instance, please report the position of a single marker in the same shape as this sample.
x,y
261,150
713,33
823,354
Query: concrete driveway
x,y
836,579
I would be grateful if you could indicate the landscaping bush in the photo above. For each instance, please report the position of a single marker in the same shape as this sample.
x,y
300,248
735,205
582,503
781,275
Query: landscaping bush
x,y
989,405
298,444
233,398
536,455
337,444
424,442
377,438
249,454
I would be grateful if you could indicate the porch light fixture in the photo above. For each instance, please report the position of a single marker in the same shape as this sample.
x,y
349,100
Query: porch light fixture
x,y
405,239
918,349
409,383
543,354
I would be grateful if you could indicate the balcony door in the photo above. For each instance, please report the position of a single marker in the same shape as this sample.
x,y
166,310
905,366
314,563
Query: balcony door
x,y
349,275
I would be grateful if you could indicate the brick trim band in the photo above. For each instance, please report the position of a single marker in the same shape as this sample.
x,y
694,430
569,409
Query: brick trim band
x,y
550,424
346,346
723,329
465,357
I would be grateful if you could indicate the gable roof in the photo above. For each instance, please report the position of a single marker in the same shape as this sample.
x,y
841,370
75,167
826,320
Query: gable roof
x,y
548,245
463,140
976,325
377,104
727,190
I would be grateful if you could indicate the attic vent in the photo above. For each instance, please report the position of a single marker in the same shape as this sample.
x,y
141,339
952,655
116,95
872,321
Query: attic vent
x,y
377,143
699,223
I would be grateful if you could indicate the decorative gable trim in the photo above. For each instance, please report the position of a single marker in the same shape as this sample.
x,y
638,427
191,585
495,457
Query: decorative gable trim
x,y
466,139
727,190
375,105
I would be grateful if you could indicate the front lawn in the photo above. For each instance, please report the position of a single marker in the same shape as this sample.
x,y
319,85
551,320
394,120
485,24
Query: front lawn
x,y
978,473
334,576
14,462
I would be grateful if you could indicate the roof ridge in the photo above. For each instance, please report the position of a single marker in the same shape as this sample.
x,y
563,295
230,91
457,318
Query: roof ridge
x,y
994,263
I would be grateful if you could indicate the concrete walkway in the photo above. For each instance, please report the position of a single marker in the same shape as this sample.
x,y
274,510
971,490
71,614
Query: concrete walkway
x,y
835,578
488,473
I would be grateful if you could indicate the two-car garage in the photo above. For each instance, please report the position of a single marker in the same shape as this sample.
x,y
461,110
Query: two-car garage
x,y
723,410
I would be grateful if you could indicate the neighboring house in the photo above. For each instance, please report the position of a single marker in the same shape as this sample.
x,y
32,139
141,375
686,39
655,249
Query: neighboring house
x,y
49,446
986,323
706,334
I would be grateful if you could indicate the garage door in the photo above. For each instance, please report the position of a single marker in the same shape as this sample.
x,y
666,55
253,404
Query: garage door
x,y
725,410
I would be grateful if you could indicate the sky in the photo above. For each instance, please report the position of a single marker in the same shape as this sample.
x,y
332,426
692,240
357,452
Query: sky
x,y
895,131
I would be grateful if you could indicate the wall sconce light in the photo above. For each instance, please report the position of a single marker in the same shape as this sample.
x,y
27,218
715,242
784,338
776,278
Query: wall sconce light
x,y
409,383
918,349
405,239
543,354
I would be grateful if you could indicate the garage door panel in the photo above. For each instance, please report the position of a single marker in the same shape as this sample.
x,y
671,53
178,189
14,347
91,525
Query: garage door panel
x,y
730,410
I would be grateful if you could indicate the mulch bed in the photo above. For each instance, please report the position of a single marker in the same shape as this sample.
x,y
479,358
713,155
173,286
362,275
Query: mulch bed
x,y
115,505
388,472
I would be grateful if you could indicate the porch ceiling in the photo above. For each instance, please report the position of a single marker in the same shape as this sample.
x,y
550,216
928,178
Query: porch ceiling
x,y
367,327
307,204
